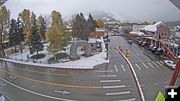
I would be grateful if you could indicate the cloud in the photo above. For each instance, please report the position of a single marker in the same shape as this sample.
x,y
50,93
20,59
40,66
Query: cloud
x,y
135,9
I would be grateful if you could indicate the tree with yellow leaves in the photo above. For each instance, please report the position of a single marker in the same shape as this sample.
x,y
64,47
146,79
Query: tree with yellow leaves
x,y
100,23
25,16
56,34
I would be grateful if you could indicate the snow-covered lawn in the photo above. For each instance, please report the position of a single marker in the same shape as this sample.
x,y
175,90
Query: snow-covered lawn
x,y
83,63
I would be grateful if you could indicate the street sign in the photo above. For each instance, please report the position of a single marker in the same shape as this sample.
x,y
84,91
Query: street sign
x,y
160,97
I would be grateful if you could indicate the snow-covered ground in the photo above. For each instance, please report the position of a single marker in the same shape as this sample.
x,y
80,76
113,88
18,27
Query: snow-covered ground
x,y
83,63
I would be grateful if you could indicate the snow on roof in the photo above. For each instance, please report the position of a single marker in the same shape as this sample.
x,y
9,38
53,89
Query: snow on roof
x,y
177,34
157,23
137,33
152,28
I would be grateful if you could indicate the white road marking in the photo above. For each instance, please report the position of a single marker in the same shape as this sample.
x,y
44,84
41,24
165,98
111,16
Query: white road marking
x,y
110,87
2,83
107,75
62,92
118,93
155,64
39,94
159,63
150,65
145,66
131,99
102,71
123,68
108,81
138,66
116,69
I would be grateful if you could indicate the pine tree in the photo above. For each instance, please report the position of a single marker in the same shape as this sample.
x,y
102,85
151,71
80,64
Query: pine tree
x,y
79,27
20,30
91,24
42,27
84,29
35,40
13,38
76,28
20,33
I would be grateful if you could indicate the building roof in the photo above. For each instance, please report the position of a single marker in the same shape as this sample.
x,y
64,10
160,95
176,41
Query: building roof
x,y
137,33
177,34
152,28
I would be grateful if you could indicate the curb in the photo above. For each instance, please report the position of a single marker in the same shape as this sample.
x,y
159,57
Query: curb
x,y
134,75
47,65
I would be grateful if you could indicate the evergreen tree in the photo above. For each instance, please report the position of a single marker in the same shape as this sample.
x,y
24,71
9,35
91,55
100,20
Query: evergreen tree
x,y
20,30
79,27
20,33
35,40
91,24
84,29
76,29
42,27
13,37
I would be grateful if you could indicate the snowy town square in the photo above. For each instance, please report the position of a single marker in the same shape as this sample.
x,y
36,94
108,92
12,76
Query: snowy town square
x,y
89,50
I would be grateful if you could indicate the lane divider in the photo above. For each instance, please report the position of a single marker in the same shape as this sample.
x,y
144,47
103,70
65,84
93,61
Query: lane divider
x,y
50,83
135,76
36,93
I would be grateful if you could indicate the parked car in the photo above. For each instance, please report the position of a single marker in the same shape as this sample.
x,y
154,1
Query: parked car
x,y
159,51
154,49
170,64
2,97
130,42
140,42
150,47
143,44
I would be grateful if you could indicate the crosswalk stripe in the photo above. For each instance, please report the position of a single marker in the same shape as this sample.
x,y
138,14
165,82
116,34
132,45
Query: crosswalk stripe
x,y
116,69
123,68
109,81
145,66
110,87
131,99
138,66
150,65
107,75
155,64
118,93
159,63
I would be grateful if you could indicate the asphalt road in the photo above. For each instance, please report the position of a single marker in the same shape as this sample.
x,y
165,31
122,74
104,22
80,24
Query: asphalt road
x,y
108,82
151,71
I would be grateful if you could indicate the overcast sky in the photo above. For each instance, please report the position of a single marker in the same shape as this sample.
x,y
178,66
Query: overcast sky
x,y
150,10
